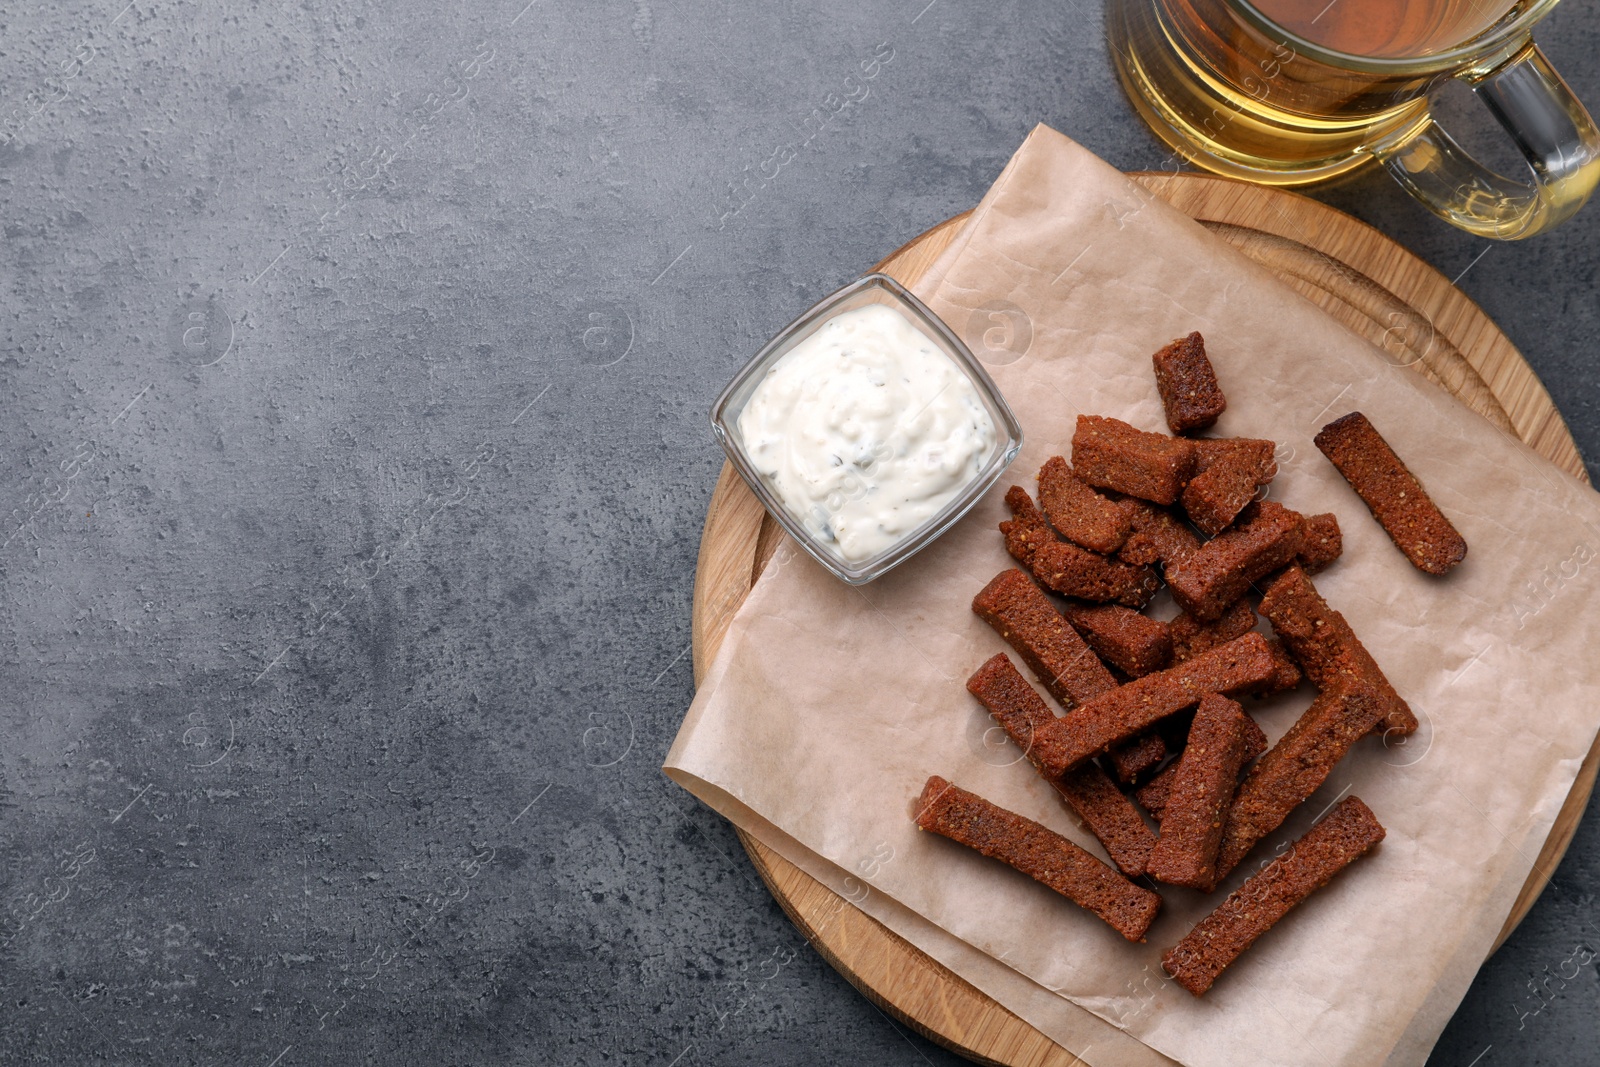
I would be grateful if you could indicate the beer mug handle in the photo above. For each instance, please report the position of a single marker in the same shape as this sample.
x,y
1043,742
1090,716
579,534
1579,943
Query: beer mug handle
x,y
1554,132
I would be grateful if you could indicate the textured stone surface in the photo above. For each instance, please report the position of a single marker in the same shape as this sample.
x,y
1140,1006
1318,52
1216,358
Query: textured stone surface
x,y
353,453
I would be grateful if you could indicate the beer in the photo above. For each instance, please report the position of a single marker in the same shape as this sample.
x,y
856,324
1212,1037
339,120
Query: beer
x,y
1386,29
1244,100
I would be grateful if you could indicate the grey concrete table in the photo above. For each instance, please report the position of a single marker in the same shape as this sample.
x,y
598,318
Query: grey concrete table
x,y
353,455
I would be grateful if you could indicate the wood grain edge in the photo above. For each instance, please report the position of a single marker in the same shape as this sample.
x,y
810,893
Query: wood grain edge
x,y
911,260
723,572
1556,844
873,957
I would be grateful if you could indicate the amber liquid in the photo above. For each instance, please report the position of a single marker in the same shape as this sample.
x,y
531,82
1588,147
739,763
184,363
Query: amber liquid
x,y
1241,102
1386,28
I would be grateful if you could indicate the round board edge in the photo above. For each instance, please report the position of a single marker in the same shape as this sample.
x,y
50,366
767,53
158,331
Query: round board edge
x,y
1486,372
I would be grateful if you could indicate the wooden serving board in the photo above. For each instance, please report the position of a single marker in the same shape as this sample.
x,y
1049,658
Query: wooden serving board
x,y
1366,281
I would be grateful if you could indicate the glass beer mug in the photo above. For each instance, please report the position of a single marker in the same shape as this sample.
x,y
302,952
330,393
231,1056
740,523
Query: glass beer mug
x,y
1287,92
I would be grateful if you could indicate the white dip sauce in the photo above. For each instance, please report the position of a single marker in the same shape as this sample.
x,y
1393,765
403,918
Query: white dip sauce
x,y
865,430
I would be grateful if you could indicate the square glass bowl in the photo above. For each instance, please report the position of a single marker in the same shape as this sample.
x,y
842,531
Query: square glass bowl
x,y
872,289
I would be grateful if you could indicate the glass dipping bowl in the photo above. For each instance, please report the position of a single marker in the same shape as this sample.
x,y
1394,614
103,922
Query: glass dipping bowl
x,y
872,289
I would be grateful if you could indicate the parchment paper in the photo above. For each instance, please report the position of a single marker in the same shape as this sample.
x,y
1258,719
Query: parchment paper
x,y
828,707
